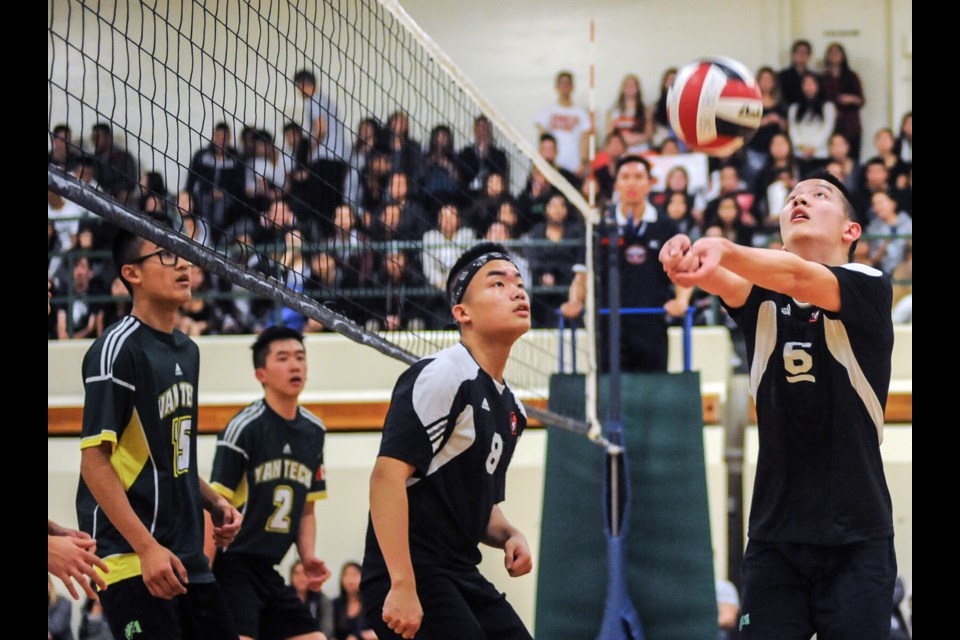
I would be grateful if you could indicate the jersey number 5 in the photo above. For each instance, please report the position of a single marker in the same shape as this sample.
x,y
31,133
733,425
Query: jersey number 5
x,y
181,445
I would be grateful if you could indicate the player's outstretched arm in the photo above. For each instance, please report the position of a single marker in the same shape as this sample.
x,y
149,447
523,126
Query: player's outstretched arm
x,y
389,512
502,535
224,516
776,270
163,572
686,270
315,569
70,556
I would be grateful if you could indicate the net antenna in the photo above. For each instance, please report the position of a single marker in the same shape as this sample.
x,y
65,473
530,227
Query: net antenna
x,y
163,87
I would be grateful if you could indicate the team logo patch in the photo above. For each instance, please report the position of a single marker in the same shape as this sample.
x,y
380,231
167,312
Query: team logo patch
x,y
815,316
322,472
132,629
513,423
635,254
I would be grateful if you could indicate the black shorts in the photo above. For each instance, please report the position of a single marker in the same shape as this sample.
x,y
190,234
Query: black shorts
x,y
262,604
791,591
198,614
461,606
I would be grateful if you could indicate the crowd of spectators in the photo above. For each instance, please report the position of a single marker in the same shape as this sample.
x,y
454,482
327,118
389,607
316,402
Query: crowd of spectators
x,y
369,223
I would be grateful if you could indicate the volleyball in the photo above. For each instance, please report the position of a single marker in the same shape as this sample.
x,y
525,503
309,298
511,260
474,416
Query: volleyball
x,y
714,105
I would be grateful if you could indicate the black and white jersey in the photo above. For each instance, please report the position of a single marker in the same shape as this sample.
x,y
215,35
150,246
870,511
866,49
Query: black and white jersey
x,y
458,428
140,387
820,382
269,467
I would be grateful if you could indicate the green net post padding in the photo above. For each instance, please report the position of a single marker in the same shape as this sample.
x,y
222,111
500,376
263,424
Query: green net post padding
x,y
670,573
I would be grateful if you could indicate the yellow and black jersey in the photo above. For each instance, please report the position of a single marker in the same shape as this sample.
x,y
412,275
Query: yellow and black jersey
x,y
269,467
140,387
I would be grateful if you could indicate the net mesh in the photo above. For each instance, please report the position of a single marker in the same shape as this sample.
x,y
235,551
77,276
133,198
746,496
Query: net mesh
x,y
364,164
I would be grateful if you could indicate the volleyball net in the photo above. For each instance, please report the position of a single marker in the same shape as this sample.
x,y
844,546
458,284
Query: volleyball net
x,y
307,155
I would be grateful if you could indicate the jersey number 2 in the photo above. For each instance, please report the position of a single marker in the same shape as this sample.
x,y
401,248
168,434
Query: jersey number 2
x,y
279,522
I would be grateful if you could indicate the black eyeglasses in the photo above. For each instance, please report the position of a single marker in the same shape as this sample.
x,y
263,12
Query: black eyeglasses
x,y
167,258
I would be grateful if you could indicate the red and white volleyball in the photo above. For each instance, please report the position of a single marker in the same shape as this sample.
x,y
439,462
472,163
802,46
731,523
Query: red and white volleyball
x,y
714,105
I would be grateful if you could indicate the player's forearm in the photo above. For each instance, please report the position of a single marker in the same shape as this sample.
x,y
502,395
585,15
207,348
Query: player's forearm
x,y
209,497
499,530
578,288
389,512
54,529
732,288
104,483
682,295
307,536
783,272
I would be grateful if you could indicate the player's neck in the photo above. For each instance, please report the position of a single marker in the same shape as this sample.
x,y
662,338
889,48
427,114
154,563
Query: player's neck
x,y
283,406
490,352
156,316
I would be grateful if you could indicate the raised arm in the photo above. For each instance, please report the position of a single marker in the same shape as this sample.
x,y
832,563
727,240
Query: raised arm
x,y
729,270
389,512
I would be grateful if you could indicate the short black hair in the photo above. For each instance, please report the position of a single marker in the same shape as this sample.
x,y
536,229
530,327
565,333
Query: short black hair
x,y
102,127
469,256
221,126
126,246
305,76
548,136
800,43
61,128
125,249
849,207
627,159
261,347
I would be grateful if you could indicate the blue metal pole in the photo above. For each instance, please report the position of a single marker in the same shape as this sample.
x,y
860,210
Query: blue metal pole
x,y
620,619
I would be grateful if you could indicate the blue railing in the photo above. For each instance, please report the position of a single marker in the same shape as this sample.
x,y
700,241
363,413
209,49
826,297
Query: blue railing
x,y
687,333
